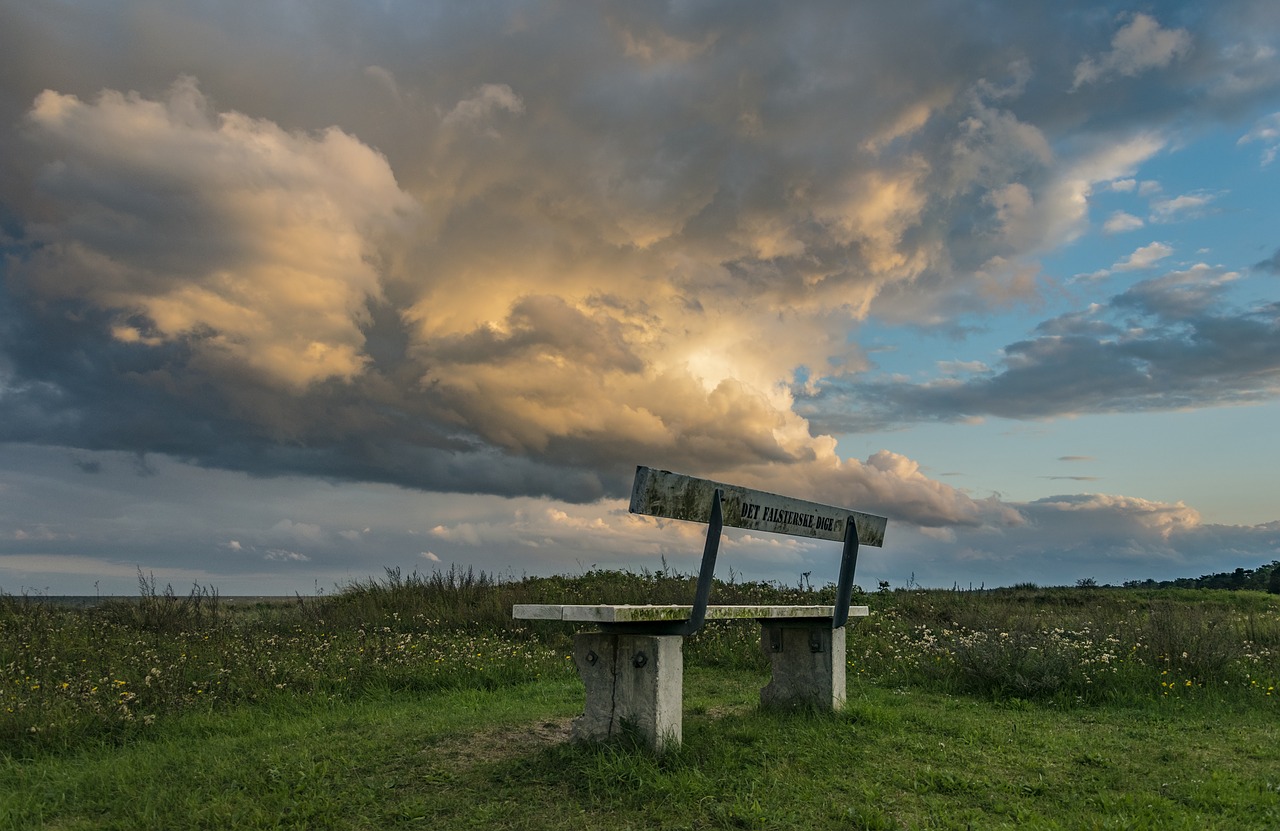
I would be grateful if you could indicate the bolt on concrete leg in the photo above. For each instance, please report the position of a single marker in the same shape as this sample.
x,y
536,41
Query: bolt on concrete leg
x,y
808,666
633,682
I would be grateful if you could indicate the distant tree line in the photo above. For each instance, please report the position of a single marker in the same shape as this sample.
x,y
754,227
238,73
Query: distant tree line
x,y
1264,578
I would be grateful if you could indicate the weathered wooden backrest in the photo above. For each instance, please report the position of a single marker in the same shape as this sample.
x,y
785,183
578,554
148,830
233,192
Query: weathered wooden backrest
x,y
661,493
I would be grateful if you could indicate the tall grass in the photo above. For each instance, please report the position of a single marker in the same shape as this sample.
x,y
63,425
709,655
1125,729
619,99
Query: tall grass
x,y
165,612
114,670
108,672
1073,646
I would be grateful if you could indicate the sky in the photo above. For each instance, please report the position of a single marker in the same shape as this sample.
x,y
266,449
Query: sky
x,y
294,293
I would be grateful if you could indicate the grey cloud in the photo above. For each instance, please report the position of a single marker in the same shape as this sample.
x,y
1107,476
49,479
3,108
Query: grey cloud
x,y
1271,264
1140,45
1169,342
1065,538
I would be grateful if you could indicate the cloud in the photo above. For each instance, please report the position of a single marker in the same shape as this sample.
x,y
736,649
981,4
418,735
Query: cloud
x,y
1138,46
1115,515
301,531
1143,258
283,555
247,245
1168,342
1108,537
1265,131
961,367
487,100
1186,206
1149,188
516,253
1271,264
1119,222
38,533
258,292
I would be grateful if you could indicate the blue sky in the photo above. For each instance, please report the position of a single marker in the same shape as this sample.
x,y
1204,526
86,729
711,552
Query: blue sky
x,y
1148,452
290,296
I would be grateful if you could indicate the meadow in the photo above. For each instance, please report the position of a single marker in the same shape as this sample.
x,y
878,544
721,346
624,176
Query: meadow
x,y
416,701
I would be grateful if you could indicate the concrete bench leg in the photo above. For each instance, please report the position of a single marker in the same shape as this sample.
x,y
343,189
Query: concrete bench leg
x,y
632,680
808,663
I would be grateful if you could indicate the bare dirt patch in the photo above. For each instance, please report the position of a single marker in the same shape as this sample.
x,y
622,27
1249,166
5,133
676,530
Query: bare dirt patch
x,y
461,753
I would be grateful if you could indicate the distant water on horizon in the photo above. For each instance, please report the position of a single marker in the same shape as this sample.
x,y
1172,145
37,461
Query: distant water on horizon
x,y
86,601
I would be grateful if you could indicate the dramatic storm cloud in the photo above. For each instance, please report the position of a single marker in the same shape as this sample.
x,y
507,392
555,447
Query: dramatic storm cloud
x,y
515,249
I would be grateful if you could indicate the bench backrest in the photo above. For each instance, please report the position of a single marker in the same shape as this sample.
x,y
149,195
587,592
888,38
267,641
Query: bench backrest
x,y
662,493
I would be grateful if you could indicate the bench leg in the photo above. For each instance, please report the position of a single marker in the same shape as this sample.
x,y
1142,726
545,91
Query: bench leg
x,y
808,663
633,682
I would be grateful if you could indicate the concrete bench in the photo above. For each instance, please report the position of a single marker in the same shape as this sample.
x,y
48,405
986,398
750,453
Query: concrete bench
x,y
632,665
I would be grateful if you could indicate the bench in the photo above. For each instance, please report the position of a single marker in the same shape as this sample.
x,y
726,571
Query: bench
x,y
632,665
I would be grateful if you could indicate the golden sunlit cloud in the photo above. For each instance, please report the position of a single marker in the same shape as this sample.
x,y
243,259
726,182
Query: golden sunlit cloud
x,y
256,246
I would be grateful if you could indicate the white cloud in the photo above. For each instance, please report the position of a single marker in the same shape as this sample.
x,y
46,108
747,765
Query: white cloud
x,y
1265,131
1140,45
429,557
39,533
1144,257
1163,519
1063,208
1091,276
1185,206
483,103
282,555
1119,222
962,367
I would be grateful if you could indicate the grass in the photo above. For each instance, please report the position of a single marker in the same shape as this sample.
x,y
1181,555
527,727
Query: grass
x,y
414,702
497,759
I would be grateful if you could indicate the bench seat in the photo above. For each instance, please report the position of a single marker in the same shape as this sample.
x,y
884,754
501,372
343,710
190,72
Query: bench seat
x,y
606,613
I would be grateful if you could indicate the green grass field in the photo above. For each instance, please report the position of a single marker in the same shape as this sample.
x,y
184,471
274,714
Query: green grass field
x,y
416,702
